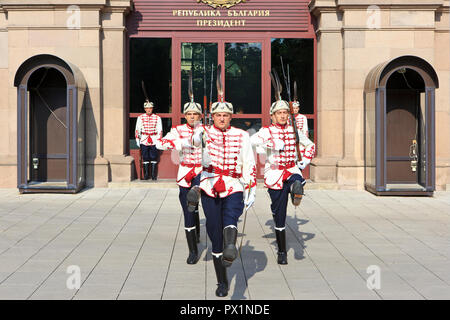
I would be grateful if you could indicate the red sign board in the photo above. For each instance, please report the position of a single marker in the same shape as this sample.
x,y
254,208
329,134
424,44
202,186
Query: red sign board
x,y
197,15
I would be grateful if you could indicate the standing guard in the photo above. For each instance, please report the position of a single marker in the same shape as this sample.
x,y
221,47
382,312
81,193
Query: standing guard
x,y
148,131
179,138
227,183
300,119
282,173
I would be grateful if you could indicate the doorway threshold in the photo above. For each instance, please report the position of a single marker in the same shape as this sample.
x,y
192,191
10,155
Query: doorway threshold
x,y
404,186
48,187
48,184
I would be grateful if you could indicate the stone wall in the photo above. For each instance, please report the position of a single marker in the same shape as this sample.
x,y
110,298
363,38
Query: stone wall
x,y
90,35
354,37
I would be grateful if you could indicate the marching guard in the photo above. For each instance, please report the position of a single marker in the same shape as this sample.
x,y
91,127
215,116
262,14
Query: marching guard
x,y
180,138
282,173
227,183
148,131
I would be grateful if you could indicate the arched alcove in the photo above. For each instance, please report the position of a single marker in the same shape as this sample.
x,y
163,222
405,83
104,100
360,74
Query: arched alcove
x,y
50,126
399,98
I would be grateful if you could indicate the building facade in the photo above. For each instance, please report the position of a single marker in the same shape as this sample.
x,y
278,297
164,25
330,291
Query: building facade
x,y
373,80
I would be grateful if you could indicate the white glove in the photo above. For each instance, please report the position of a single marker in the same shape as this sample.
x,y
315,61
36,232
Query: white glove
x,y
138,143
185,143
278,144
302,164
197,136
249,198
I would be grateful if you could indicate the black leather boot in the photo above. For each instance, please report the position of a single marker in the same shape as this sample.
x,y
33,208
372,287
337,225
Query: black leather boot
x,y
222,280
281,242
230,252
146,171
197,223
192,245
154,171
296,193
193,198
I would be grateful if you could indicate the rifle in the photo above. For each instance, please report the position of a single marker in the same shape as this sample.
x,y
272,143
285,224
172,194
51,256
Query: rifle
x,y
292,120
141,171
205,99
211,93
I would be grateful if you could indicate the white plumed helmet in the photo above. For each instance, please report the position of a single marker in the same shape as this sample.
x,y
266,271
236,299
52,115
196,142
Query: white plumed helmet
x,y
148,104
280,104
191,106
221,105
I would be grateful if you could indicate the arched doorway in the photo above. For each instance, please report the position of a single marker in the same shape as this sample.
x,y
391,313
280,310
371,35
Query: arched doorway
x,y
50,131
48,126
399,127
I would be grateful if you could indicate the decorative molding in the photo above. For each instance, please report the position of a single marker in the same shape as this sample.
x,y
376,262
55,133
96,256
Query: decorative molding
x,y
363,28
124,10
8,8
318,7
52,28
221,3
121,29
407,28
99,28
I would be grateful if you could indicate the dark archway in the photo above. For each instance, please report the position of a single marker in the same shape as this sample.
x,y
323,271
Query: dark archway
x,y
51,125
47,90
399,127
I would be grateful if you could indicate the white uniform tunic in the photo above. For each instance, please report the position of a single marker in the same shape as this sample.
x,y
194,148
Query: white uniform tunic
x,y
148,129
228,162
190,157
280,165
302,124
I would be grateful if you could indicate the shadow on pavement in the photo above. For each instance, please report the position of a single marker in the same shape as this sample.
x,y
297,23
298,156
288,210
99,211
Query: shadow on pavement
x,y
293,224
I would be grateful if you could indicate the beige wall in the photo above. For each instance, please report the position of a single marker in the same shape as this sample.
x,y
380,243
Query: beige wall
x,y
91,45
353,39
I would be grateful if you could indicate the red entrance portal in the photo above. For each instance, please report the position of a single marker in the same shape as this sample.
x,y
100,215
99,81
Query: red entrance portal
x,y
163,57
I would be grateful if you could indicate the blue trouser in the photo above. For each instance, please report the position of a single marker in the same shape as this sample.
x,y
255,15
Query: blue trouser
x,y
221,212
280,199
189,220
149,153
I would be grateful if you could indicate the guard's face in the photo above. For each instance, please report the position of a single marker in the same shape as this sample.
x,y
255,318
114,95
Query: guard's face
x,y
280,117
296,109
222,120
192,118
148,110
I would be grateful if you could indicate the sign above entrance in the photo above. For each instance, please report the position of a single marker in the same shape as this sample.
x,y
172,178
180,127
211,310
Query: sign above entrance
x,y
221,3
220,15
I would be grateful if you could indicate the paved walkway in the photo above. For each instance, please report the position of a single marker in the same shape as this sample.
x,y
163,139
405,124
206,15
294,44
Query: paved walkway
x,y
130,244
